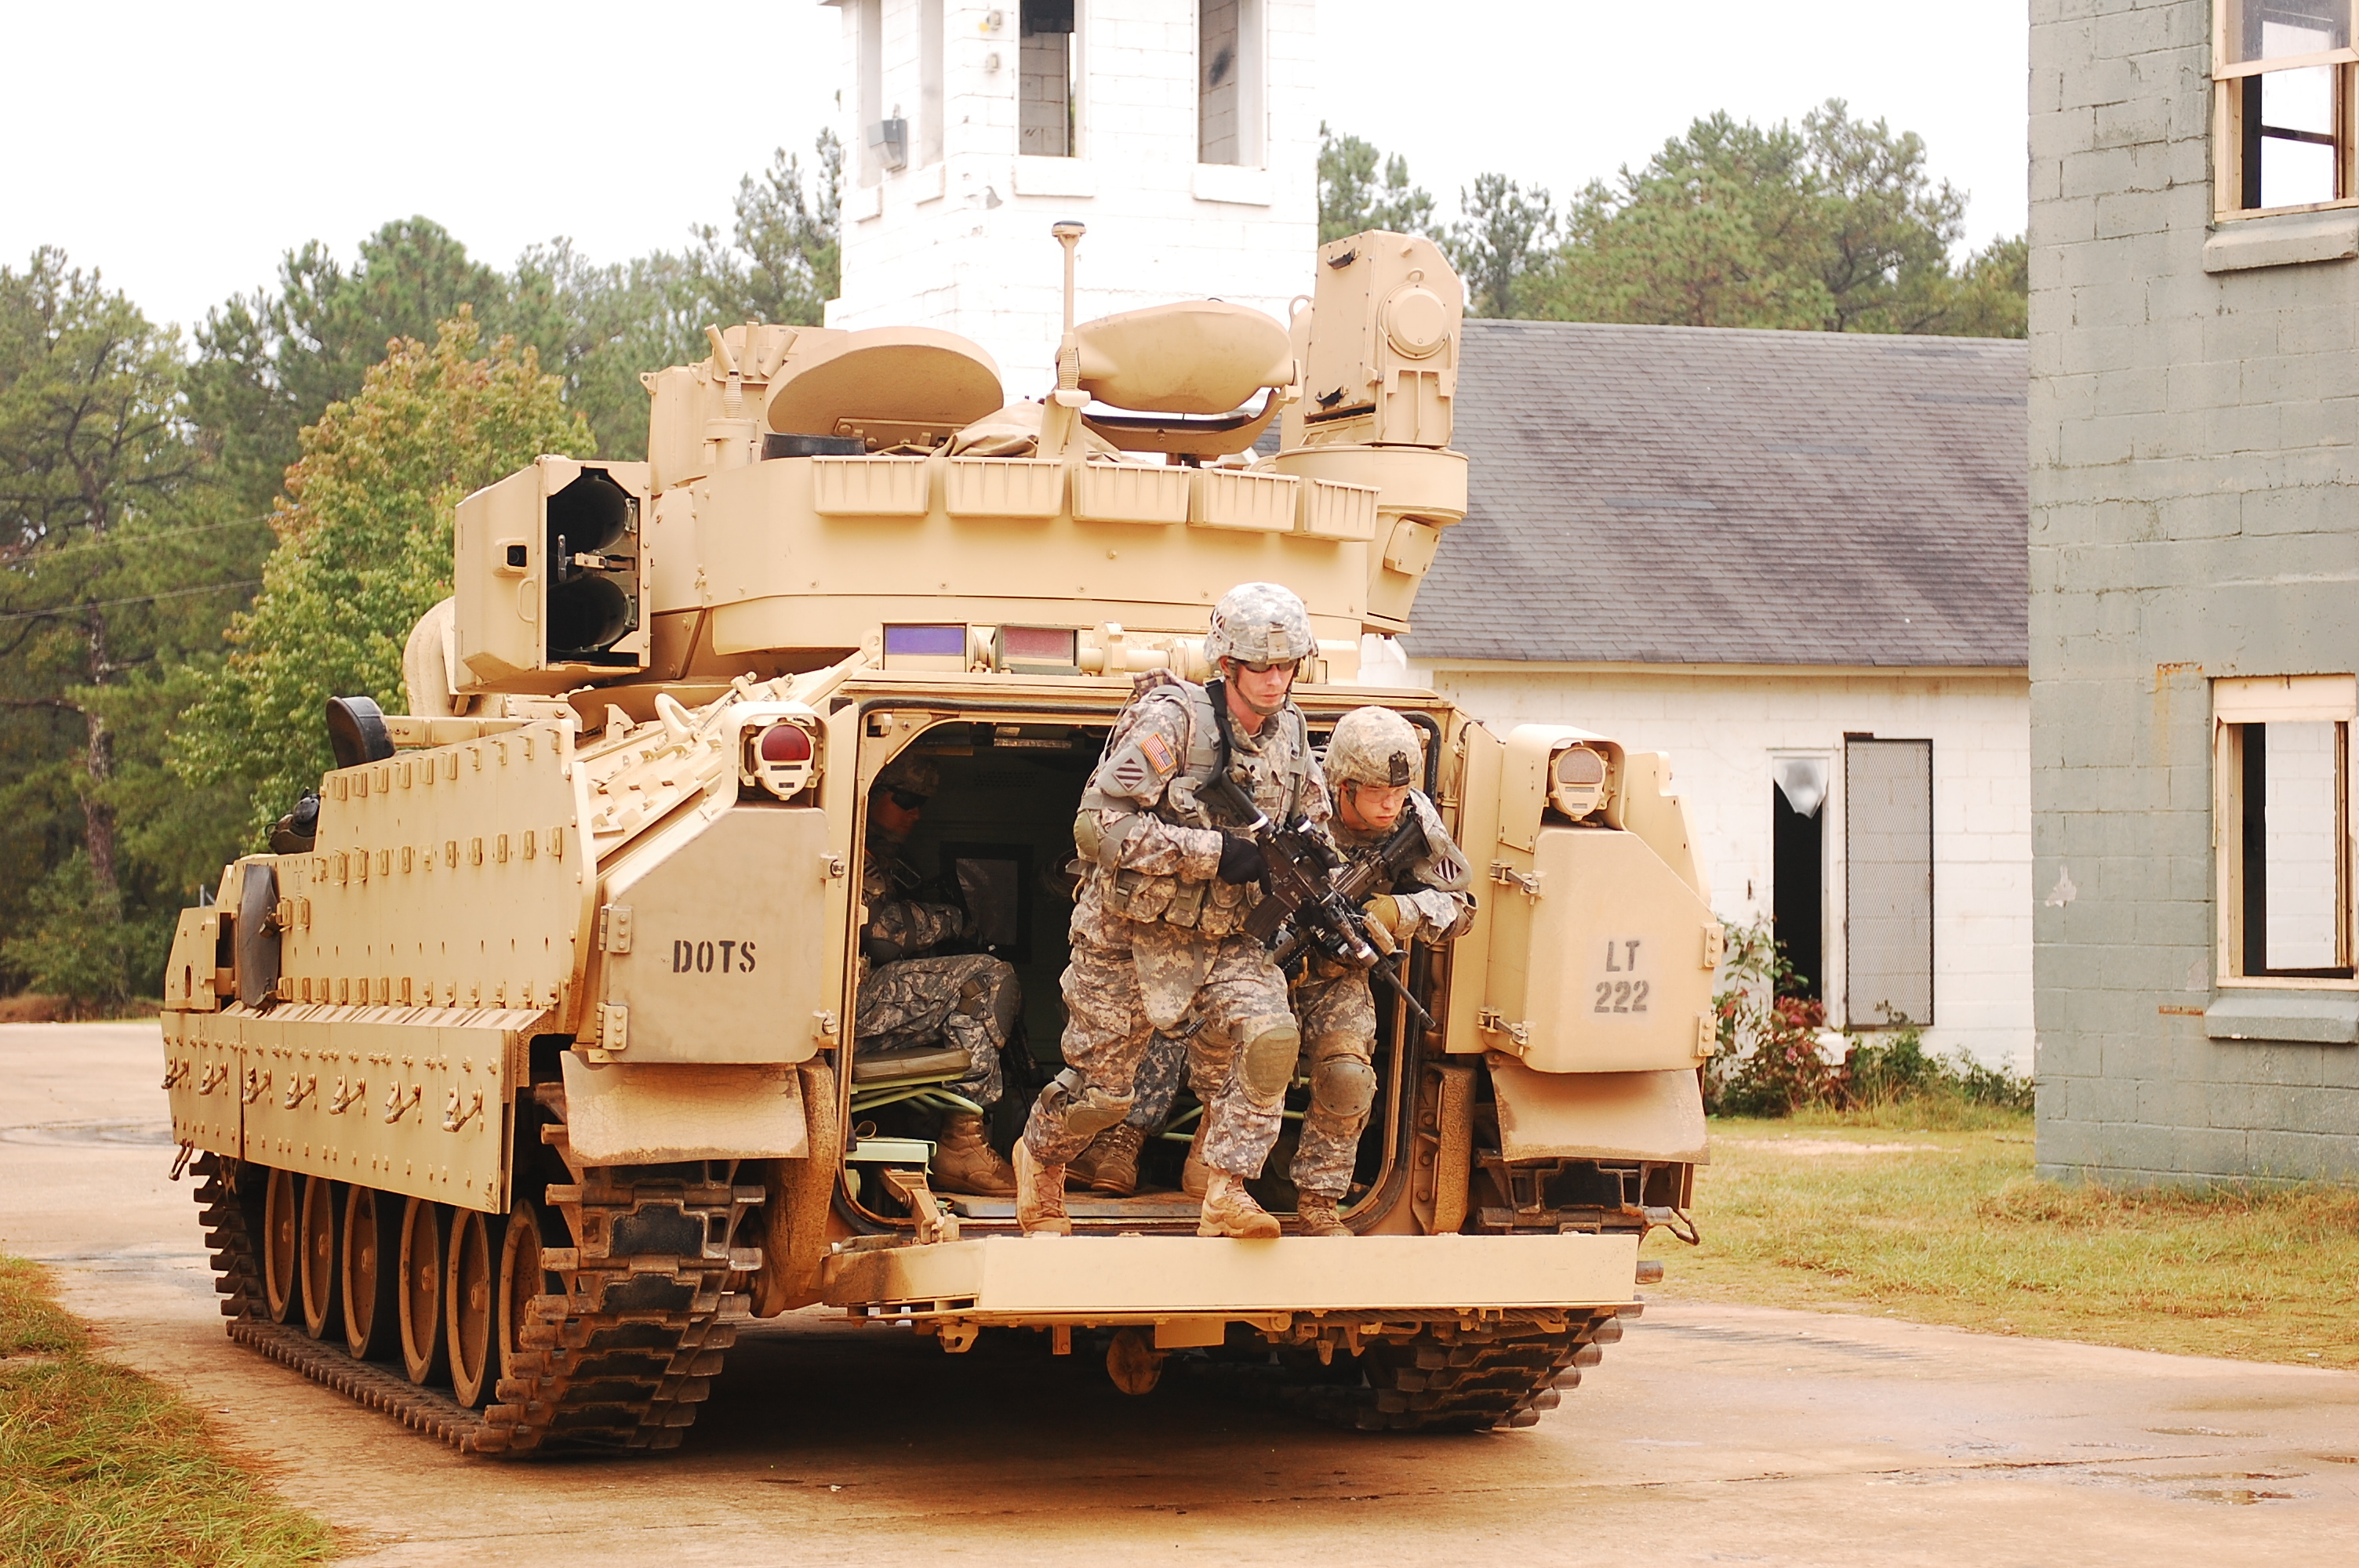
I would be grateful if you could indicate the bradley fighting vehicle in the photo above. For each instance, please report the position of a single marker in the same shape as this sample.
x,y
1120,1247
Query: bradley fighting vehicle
x,y
524,1079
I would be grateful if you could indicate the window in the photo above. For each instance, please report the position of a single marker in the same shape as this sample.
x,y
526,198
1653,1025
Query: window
x,y
1888,845
2282,104
1044,80
929,81
870,20
2282,828
1228,81
1798,870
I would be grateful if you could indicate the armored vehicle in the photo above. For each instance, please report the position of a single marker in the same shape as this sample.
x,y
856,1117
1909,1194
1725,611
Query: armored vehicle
x,y
520,1078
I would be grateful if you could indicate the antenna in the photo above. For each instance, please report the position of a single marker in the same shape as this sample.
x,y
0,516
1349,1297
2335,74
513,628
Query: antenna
x,y
1069,235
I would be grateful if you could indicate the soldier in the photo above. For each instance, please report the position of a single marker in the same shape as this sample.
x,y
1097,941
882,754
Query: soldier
x,y
1164,891
1371,759
907,998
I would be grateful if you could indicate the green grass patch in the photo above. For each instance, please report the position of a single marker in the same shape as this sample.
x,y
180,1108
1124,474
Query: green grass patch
x,y
98,1465
1930,1211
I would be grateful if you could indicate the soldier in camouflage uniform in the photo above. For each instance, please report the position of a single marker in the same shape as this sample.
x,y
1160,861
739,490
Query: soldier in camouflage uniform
x,y
1371,759
1166,883
908,999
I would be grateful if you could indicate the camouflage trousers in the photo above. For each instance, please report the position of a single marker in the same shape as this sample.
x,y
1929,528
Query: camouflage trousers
x,y
965,1000
1338,1012
1160,1073
1119,993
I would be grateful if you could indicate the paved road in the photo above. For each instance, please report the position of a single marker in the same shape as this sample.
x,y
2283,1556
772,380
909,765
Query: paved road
x,y
1712,1435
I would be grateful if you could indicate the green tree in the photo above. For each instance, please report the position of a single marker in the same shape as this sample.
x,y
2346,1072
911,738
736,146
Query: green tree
x,y
1351,198
1835,226
364,549
269,362
1503,237
785,261
600,327
118,564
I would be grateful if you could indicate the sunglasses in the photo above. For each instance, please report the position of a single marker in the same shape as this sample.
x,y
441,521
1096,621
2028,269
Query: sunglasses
x,y
907,800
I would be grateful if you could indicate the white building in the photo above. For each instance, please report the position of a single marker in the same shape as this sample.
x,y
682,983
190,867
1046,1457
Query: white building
x,y
1181,132
1795,562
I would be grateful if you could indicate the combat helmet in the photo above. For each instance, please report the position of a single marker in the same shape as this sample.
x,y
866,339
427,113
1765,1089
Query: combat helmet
x,y
911,774
1259,624
1372,746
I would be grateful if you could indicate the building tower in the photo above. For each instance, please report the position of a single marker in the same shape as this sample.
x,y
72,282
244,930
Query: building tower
x,y
1180,131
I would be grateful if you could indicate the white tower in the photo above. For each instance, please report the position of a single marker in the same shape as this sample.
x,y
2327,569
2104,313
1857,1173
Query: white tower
x,y
1181,132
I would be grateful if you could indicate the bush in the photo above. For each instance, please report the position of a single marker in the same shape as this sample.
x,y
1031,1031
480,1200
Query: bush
x,y
1768,1063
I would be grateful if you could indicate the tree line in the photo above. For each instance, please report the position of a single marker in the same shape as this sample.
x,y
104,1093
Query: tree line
x,y
1833,225
204,536
202,539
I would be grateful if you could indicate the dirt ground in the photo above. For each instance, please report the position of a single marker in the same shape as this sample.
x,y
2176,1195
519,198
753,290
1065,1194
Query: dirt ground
x,y
1711,1433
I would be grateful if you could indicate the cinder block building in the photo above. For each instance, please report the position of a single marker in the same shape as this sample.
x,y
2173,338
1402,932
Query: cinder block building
x,y
2194,401
1794,561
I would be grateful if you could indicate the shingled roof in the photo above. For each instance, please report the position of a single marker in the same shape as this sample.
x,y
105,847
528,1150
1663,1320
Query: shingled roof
x,y
1708,495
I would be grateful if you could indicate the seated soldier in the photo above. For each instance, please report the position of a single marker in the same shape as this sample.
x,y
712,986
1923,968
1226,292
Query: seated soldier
x,y
910,1000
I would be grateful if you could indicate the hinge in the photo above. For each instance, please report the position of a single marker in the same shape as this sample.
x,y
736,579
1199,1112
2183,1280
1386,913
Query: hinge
x,y
1707,1038
614,927
613,1026
1491,1020
1715,945
1526,882
823,1025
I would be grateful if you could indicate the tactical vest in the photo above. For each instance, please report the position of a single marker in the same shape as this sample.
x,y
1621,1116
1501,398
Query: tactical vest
x,y
1216,908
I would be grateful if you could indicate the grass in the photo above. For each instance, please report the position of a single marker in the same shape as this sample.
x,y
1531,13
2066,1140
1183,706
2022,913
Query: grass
x,y
98,1465
1953,1227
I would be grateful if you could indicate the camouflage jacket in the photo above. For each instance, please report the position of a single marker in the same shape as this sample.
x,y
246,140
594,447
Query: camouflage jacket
x,y
1150,848
1432,892
900,926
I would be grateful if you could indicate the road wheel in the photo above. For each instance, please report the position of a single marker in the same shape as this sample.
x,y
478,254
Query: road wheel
x,y
470,1290
372,1273
425,1229
323,1215
282,1250
522,1278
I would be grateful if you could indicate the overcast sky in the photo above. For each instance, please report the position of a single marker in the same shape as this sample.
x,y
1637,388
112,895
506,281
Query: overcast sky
x,y
182,149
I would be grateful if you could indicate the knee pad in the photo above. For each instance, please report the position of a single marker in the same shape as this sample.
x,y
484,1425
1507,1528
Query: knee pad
x,y
1085,1109
1344,1087
1270,1051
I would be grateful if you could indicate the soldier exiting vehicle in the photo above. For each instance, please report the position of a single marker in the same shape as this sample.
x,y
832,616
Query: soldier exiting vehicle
x,y
1371,759
910,1000
1159,928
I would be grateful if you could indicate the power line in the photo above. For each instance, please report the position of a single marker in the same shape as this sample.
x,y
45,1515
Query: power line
x,y
116,603
36,555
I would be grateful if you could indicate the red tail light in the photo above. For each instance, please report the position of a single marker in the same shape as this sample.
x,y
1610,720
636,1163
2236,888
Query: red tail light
x,y
786,744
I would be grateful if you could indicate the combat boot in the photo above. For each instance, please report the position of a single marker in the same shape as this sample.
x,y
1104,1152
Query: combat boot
x,y
1115,1168
964,1161
1194,1174
1039,1195
1230,1210
1315,1212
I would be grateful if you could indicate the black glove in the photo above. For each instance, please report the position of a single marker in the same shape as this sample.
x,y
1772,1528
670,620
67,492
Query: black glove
x,y
1240,859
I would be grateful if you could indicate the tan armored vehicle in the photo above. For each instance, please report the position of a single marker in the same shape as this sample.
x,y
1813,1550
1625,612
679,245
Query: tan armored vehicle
x,y
524,1079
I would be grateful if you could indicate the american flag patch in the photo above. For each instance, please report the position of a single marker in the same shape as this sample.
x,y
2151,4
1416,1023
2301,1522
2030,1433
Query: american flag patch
x,y
1158,753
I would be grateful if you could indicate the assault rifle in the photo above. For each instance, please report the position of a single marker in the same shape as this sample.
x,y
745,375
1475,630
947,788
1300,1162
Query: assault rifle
x,y
1308,906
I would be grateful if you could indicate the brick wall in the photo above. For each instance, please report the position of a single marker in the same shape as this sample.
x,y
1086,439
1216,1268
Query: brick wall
x,y
2194,398
1722,730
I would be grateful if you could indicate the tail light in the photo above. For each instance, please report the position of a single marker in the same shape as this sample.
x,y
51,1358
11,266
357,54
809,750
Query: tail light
x,y
780,754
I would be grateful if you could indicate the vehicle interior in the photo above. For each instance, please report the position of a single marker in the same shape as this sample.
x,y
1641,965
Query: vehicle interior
x,y
997,840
